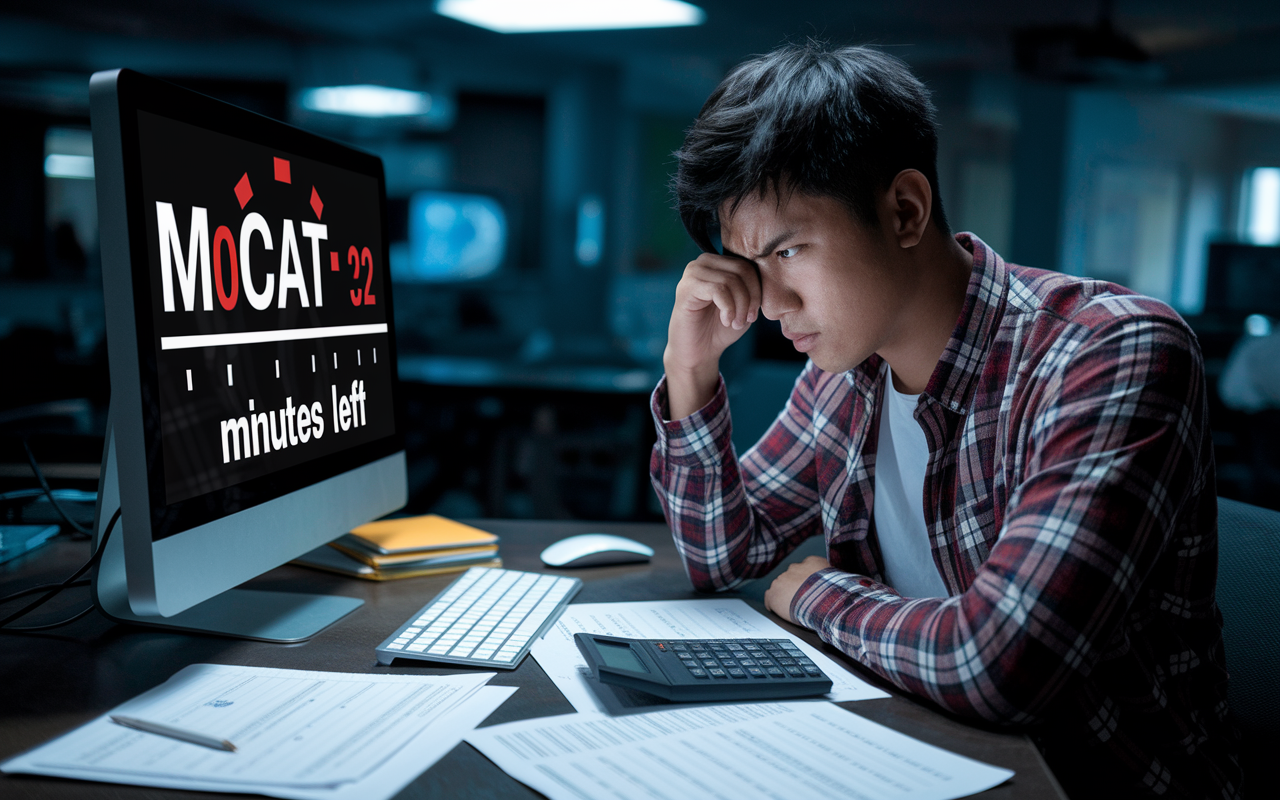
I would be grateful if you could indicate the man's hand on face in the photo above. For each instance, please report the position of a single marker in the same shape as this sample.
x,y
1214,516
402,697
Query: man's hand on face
x,y
778,598
716,301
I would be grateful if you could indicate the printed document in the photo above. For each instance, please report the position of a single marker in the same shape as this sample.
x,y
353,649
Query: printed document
x,y
291,728
773,751
397,772
720,618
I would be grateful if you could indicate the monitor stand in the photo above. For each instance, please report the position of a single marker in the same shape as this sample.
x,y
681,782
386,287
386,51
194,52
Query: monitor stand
x,y
281,617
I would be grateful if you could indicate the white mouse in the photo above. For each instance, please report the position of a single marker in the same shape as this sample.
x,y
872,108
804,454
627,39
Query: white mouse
x,y
595,550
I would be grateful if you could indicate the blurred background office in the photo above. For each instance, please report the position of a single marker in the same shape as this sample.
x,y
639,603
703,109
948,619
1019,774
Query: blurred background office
x,y
534,250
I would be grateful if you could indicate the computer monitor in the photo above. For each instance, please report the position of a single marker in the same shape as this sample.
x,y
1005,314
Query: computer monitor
x,y
1242,279
251,344
453,236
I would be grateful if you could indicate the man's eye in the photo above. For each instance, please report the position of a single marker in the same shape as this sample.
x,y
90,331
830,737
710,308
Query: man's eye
x,y
789,252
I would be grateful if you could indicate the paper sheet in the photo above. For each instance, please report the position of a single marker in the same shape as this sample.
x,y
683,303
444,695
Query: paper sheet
x,y
291,727
719,618
778,751
416,757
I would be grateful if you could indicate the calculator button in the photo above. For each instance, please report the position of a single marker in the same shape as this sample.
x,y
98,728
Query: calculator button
x,y
812,671
755,672
795,672
718,673
746,662
737,672
728,662
753,648
680,648
697,672
774,672
697,648
710,662
735,646
719,648
787,662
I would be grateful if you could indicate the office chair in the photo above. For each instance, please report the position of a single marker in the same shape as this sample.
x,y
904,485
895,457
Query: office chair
x,y
1249,596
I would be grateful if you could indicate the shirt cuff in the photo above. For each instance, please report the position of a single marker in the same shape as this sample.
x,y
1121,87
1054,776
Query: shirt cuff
x,y
702,437
830,593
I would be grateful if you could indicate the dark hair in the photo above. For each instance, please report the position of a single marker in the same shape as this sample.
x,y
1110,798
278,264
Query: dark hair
x,y
839,123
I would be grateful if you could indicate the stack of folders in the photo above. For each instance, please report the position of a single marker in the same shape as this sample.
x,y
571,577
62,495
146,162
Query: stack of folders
x,y
406,548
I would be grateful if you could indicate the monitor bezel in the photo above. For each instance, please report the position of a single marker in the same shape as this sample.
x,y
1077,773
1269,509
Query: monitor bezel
x,y
136,93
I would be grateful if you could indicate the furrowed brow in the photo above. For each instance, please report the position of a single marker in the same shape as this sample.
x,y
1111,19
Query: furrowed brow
x,y
774,242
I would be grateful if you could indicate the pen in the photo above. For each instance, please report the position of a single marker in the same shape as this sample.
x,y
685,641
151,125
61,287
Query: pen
x,y
174,733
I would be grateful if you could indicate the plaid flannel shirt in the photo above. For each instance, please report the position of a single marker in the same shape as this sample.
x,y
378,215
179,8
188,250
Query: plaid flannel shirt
x,y
1071,508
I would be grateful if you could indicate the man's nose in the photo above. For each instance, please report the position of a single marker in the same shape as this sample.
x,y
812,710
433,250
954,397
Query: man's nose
x,y
776,298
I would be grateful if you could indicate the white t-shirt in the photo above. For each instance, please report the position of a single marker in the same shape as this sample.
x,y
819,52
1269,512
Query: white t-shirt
x,y
901,457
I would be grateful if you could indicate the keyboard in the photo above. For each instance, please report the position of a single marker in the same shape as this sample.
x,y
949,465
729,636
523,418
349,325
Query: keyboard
x,y
486,618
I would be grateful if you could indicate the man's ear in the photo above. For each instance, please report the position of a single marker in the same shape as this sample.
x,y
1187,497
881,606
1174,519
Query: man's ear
x,y
908,207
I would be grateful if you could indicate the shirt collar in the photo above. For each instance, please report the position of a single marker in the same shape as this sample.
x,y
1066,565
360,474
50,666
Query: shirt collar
x,y
966,350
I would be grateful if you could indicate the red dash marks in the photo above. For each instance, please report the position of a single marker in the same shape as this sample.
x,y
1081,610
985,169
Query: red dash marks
x,y
316,205
282,170
243,190
333,261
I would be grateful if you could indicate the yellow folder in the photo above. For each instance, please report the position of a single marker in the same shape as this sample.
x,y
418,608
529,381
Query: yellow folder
x,y
422,557
415,534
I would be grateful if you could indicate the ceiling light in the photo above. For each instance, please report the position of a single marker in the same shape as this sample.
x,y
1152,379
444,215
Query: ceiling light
x,y
61,165
533,16
366,101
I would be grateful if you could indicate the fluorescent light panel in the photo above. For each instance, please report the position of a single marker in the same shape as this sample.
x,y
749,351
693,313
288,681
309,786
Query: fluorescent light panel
x,y
61,165
366,101
537,16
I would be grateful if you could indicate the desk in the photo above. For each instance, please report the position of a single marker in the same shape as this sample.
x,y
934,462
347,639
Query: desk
x,y
49,684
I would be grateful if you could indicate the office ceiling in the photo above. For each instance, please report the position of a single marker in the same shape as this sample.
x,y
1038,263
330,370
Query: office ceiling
x,y
1194,40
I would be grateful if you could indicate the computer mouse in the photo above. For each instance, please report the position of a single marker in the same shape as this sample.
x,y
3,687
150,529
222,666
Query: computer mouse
x,y
595,550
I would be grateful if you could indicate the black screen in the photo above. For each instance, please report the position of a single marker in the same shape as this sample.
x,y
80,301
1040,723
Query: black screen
x,y
270,330
619,656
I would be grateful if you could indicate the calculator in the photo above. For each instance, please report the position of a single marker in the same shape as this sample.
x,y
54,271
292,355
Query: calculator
x,y
703,670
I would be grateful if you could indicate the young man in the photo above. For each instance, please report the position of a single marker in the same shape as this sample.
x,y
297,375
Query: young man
x,y
1011,468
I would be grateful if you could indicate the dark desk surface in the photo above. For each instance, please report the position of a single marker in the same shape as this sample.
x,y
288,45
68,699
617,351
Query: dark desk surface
x,y
50,683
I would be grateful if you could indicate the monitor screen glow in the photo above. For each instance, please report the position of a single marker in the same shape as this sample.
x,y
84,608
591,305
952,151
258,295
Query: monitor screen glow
x,y
452,237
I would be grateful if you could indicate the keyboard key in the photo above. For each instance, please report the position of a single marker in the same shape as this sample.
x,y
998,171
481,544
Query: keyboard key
x,y
795,672
755,672
698,673
737,672
774,672
717,673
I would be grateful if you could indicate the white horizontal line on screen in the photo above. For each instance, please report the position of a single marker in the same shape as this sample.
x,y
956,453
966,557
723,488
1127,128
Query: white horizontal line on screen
x,y
260,337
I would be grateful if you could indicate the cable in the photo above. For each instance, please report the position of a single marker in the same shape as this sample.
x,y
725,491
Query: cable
x,y
41,588
93,559
47,626
31,459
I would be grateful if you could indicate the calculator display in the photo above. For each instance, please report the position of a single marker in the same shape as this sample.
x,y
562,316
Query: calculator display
x,y
620,657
